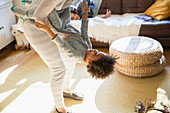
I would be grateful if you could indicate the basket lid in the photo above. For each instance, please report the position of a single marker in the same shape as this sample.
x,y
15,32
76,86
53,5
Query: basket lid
x,y
136,44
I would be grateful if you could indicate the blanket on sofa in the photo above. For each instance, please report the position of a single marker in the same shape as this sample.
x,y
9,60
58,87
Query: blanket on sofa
x,y
112,28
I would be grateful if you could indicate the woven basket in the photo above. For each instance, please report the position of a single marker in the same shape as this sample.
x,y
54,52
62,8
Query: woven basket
x,y
143,71
136,51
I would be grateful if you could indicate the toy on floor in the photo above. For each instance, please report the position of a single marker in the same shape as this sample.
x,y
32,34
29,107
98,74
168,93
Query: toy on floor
x,y
149,106
144,108
21,41
165,109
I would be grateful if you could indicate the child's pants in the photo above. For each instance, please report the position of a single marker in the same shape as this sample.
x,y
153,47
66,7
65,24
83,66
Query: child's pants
x,y
50,54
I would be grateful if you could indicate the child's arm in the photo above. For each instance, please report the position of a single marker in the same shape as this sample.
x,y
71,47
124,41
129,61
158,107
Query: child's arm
x,y
90,11
85,9
25,14
84,25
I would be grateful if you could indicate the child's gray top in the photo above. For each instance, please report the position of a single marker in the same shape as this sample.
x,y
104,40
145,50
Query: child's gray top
x,y
76,45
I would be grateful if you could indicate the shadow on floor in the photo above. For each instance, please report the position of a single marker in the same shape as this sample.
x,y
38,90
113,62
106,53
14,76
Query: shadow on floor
x,y
119,93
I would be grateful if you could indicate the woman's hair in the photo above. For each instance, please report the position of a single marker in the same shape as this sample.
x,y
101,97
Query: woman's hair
x,y
102,68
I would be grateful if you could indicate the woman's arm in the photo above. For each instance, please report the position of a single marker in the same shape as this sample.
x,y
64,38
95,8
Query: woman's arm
x,y
45,28
59,41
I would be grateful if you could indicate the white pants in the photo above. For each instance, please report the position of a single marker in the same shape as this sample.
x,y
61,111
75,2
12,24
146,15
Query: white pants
x,y
61,72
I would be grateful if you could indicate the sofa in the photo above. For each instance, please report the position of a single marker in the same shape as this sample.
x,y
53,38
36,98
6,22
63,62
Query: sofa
x,y
155,29
159,30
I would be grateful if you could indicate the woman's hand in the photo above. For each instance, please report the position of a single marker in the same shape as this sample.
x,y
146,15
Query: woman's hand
x,y
84,7
43,27
66,35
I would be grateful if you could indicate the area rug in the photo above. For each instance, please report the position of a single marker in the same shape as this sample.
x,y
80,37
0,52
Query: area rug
x,y
26,90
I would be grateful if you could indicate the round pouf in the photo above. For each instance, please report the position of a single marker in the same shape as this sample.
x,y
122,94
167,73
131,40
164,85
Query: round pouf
x,y
136,51
142,71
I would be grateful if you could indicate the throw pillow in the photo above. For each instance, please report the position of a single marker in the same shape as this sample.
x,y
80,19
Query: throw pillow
x,y
159,10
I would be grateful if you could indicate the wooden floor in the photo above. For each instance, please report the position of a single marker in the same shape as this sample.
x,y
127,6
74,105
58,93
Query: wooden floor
x,y
10,57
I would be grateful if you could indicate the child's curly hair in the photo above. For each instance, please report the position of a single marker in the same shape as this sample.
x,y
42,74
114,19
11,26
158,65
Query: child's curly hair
x,y
102,68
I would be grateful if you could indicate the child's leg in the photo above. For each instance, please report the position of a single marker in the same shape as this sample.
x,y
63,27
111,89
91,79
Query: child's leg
x,y
55,20
22,13
45,7
53,17
49,52
26,2
59,19
65,15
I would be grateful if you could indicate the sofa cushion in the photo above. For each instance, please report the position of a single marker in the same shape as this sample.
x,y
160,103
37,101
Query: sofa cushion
x,y
113,5
155,28
135,6
159,10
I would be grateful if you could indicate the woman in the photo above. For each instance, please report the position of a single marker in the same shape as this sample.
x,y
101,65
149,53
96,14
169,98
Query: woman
x,y
51,55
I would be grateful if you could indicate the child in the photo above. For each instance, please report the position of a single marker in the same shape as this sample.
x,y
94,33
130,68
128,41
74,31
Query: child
x,y
76,11
99,64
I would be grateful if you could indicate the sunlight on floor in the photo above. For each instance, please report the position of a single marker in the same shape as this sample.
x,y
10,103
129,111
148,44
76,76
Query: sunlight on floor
x,y
5,74
27,90
21,81
88,86
4,95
